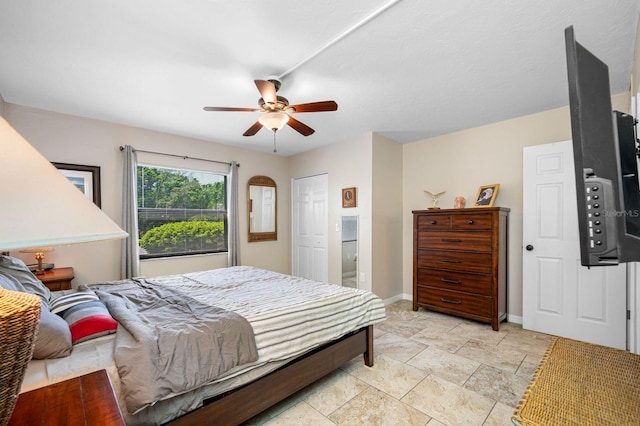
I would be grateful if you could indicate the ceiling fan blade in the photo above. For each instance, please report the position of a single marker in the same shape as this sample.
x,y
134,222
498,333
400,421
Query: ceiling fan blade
x,y
316,106
253,129
299,127
210,108
267,91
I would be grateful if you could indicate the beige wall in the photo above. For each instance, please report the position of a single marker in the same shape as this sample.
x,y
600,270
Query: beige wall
x,y
347,164
76,140
460,162
387,218
373,164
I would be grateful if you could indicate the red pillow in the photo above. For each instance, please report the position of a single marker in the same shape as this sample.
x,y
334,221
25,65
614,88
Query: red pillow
x,y
86,315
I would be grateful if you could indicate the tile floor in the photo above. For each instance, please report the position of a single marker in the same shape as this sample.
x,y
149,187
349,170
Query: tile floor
x,y
430,369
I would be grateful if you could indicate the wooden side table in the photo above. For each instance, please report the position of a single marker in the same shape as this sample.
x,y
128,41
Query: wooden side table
x,y
57,278
85,400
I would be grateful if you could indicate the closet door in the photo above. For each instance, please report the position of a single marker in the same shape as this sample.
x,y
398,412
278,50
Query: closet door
x,y
310,227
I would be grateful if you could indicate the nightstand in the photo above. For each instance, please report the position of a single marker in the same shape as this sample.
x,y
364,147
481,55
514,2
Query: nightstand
x,y
85,400
57,278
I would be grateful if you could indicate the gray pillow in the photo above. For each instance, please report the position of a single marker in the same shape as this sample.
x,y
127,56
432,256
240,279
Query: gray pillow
x,y
23,280
9,283
53,337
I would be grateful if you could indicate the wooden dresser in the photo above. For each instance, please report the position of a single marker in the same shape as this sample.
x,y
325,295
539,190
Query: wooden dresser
x,y
460,262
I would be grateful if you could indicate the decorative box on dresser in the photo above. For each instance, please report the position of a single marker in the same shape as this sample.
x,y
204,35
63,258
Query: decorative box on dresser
x,y
460,262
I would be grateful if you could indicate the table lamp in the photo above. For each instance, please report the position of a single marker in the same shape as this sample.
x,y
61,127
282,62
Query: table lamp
x,y
69,218
39,255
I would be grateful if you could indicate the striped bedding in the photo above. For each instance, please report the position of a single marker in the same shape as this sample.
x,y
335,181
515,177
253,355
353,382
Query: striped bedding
x,y
278,308
289,315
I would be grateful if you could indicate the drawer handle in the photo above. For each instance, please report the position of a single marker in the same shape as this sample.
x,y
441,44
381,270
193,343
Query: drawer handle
x,y
450,260
455,302
451,240
433,222
470,222
444,280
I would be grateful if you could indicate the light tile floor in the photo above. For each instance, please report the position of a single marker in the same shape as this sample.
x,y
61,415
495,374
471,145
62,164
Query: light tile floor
x,y
430,369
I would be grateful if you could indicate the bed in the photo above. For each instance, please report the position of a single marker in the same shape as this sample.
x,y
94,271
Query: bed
x,y
302,330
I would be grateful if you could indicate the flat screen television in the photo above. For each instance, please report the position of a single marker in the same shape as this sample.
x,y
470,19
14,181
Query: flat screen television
x,y
606,163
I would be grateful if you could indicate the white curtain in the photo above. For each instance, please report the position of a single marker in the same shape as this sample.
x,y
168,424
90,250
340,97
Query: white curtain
x,y
130,265
233,217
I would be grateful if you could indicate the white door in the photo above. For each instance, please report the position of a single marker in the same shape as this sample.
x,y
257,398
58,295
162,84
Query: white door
x,y
310,227
560,296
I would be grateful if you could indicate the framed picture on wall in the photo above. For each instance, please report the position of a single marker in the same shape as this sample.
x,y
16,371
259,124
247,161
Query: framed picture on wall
x,y
85,178
486,195
349,197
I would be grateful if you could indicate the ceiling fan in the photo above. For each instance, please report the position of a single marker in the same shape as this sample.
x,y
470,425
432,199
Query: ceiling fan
x,y
277,111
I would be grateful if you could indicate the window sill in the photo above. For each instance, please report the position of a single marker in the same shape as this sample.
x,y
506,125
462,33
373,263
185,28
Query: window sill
x,y
186,256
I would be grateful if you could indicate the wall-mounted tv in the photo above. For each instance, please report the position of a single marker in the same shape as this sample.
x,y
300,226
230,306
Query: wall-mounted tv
x,y
605,154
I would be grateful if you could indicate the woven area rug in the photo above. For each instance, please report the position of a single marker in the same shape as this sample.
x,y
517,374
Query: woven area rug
x,y
579,383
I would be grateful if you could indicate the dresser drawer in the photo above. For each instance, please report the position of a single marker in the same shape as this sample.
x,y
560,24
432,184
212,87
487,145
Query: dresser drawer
x,y
469,283
434,222
480,263
467,241
472,222
455,301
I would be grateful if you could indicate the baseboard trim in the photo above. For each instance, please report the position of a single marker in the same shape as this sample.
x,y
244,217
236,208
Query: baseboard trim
x,y
396,298
516,319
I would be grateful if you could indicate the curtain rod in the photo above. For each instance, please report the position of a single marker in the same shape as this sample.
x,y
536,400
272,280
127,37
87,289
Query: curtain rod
x,y
184,157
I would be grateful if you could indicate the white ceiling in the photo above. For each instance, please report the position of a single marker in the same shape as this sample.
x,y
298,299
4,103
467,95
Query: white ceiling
x,y
416,70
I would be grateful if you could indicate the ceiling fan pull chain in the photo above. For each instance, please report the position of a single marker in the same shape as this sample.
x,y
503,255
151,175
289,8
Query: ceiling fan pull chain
x,y
274,142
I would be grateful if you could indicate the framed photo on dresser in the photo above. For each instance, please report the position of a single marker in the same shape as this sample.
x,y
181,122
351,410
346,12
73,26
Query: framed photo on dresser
x,y
486,195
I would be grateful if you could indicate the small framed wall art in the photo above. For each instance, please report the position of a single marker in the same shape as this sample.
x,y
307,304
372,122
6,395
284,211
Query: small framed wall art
x,y
486,195
85,178
349,197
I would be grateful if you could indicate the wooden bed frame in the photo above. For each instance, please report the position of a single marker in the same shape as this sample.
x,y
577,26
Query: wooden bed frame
x,y
243,403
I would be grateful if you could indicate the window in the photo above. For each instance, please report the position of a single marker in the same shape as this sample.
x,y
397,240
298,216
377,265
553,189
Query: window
x,y
181,212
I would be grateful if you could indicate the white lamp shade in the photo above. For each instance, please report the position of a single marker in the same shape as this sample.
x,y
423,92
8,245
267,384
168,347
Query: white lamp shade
x,y
274,120
39,207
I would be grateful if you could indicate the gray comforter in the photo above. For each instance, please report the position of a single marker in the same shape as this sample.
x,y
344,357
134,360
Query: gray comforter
x,y
169,343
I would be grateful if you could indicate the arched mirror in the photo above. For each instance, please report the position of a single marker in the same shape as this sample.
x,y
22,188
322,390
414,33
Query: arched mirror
x,y
262,209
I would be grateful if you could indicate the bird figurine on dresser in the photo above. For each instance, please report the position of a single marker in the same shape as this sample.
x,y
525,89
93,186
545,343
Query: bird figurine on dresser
x,y
434,198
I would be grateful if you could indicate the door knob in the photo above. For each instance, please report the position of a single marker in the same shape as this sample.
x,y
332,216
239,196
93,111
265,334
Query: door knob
x,y
529,247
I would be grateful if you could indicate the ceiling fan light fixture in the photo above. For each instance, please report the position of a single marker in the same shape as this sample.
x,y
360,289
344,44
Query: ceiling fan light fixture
x,y
276,111
274,120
